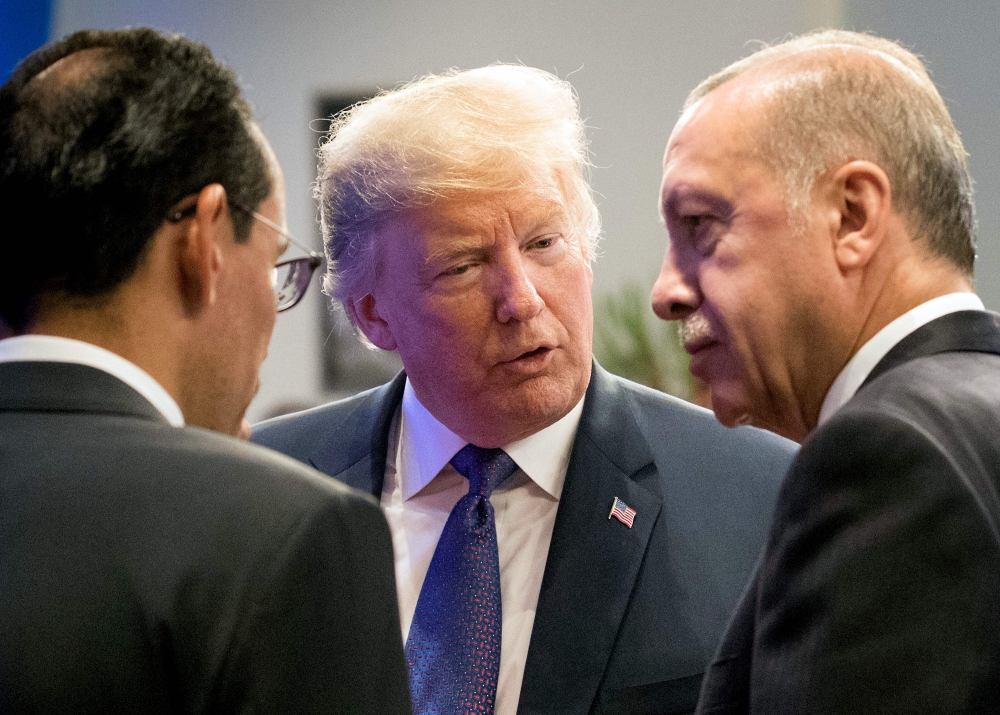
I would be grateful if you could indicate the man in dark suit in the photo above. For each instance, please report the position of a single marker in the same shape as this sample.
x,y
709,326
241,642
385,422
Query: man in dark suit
x,y
148,566
821,257
578,539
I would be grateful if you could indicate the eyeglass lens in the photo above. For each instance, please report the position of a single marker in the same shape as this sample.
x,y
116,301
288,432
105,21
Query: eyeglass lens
x,y
291,279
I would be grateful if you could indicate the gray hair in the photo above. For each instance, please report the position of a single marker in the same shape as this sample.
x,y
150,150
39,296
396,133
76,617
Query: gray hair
x,y
485,130
844,96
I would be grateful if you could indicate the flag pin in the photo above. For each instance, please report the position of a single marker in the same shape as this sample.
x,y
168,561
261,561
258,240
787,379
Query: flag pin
x,y
622,512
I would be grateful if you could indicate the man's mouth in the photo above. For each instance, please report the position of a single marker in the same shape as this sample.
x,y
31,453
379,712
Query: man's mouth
x,y
529,356
695,333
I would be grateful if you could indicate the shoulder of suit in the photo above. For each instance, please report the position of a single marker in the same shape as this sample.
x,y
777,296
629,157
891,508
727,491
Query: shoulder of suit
x,y
246,472
662,416
920,438
953,380
950,400
297,434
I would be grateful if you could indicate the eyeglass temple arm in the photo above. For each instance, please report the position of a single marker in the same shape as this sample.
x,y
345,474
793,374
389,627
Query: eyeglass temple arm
x,y
185,212
268,222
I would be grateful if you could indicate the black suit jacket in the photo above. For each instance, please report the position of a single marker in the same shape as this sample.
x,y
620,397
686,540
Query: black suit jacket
x,y
150,569
879,591
627,619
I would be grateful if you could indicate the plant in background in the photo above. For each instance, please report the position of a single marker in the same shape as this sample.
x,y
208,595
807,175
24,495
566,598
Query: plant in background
x,y
632,342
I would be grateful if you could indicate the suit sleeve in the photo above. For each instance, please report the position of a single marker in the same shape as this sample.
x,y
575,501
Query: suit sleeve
x,y
879,590
322,635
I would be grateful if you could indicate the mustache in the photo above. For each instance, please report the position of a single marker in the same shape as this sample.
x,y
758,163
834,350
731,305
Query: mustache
x,y
693,328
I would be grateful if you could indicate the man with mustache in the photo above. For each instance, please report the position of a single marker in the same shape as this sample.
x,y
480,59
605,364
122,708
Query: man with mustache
x,y
149,565
566,541
820,260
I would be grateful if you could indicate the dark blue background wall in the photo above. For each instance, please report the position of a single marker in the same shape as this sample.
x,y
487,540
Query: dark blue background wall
x,y
24,25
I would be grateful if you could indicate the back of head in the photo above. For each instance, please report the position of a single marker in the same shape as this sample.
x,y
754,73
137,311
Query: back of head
x,y
490,130
836,96
101,133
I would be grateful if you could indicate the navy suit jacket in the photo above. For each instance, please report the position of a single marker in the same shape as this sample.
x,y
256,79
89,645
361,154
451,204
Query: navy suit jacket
x,y
627,619
879,591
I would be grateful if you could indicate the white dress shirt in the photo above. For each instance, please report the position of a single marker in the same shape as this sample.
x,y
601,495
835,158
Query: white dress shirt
x,y
864,361
421,488
48,348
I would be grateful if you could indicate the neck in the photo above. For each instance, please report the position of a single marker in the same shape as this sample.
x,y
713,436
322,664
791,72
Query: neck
x,y
908,284
140,336
902,294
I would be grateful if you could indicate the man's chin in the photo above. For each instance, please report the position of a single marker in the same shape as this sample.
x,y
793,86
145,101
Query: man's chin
x,y
526,410
728,412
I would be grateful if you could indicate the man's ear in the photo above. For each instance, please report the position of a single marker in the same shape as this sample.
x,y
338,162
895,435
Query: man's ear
x,y
862,199
200,248
364,313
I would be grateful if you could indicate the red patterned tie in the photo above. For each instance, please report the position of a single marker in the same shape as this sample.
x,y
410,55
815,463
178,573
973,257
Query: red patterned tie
x,y
453,648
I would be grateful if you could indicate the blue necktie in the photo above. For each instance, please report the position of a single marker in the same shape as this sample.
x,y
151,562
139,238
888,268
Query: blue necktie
x,y
453,648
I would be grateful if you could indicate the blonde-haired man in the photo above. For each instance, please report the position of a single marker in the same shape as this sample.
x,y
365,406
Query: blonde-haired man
x,y
460,230
821,254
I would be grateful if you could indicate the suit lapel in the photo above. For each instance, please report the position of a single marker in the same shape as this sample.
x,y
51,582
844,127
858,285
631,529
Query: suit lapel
x,y
593,561
963,331
362,464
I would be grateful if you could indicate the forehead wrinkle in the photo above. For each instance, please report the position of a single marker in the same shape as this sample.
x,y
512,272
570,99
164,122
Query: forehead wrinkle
x,y
481,216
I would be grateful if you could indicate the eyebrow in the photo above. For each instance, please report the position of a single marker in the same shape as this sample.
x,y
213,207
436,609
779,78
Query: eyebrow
x,y
465,245
688,193
459,248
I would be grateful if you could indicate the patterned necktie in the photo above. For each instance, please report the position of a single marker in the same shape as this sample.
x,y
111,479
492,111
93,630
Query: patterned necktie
x,y
453,648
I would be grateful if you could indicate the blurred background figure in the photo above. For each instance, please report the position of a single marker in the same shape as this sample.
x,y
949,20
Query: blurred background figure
x,y
822,243
148,565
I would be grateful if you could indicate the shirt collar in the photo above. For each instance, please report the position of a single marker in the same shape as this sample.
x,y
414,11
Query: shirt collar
x,y
50,348
426,446
849,380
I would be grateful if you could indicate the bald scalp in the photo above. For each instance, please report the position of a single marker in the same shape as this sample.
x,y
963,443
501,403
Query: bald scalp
x,y
71,71
824,99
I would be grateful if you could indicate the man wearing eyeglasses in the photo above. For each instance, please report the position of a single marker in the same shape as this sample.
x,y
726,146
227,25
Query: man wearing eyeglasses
x,y
148,565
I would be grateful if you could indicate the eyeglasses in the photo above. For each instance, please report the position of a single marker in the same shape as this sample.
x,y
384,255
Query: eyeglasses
x,y
290,278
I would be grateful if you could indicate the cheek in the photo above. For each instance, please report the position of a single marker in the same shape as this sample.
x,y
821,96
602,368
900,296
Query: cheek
x,y
567,294
255,296
449,333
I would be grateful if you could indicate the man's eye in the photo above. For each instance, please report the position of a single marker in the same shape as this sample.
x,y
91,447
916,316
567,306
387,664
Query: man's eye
x,y
545,242
697,221
458,270
703,231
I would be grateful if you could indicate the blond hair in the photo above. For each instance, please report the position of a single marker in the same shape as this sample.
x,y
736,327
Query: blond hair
x,y
488,130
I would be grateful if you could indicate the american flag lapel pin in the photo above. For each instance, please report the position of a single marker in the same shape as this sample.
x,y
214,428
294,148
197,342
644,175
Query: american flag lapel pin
x,y
622,512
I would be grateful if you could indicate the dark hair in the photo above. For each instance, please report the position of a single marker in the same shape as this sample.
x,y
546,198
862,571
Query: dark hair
x,y
96,151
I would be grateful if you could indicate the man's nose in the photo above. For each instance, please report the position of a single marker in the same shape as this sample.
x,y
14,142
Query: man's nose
x,y
517,297
674,296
